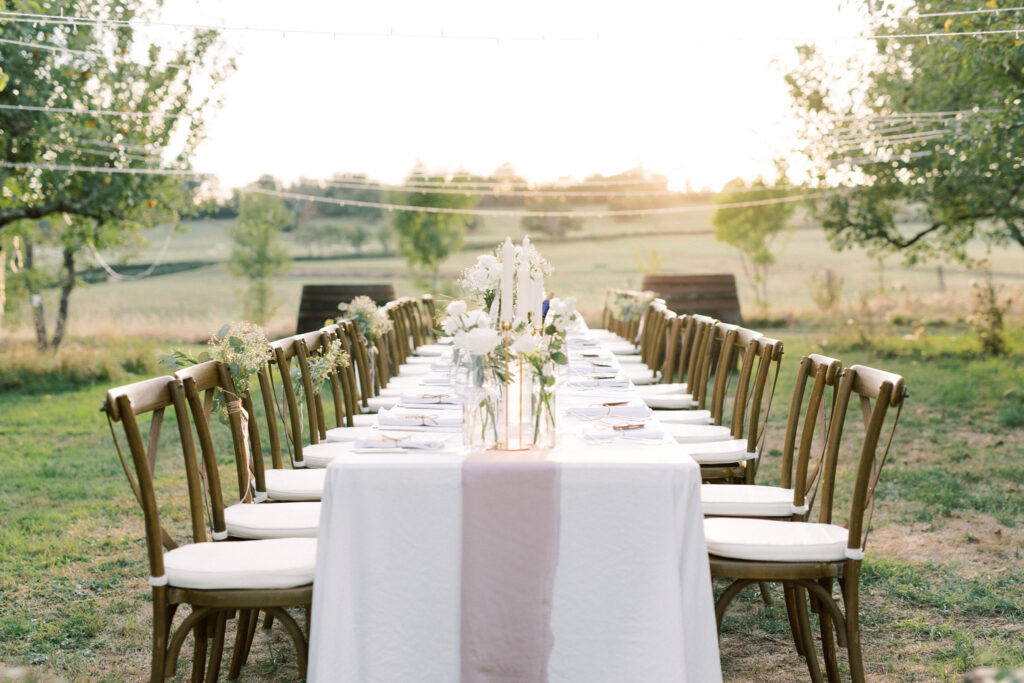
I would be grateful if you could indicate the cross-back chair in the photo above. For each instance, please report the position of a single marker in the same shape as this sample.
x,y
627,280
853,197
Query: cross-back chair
x,y
252,517
214,579
810,556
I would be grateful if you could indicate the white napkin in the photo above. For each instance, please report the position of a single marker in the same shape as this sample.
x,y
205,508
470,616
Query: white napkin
x,y
430,398
597,412
609,383
597,356
419,418
600,431
441,366
435,380
590,369
401,440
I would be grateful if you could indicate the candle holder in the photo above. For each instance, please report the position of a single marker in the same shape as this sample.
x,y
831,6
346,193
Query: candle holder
x,y
514,403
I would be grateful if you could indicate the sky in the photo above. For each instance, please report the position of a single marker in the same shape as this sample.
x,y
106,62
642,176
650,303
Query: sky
x,y
691,90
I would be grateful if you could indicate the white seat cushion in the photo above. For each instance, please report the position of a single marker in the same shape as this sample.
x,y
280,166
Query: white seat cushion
x,y
377,403
719,452
670,401
771,540
691,433
321,454
690,417
364,420
671,388
272,520
414,369
642,375
348,433
633,358
432,349
275,563
300,484
620,348
745,500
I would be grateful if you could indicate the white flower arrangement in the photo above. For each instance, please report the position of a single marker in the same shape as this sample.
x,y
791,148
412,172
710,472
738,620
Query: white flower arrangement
x,y
562,315
373,321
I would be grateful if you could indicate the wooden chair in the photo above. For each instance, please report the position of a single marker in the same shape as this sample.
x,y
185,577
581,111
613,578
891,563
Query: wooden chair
x,y
251,517
698,348
214,579
806,556
807,413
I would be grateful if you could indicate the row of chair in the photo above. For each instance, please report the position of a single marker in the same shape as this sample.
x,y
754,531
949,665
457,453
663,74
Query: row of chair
x,y
758,534
273,441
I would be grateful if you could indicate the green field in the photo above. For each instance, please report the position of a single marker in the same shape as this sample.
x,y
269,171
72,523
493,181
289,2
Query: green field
x,y
606,253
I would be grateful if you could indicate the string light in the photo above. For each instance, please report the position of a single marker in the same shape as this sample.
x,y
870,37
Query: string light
x,y
987,10
513,213
112,170
93,112
60,48
25,17
498,191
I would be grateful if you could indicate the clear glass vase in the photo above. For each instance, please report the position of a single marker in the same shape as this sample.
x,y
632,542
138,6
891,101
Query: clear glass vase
x,y
543,410
473,382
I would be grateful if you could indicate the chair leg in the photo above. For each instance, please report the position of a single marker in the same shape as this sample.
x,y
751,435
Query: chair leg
x,y
766,597
254,623
213,669
828,643
794,622
199,637
161,627
810,654
241,635
726,597
268,621
851,600
301,647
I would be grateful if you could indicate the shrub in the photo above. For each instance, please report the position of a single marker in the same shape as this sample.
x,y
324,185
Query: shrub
x,y
78,363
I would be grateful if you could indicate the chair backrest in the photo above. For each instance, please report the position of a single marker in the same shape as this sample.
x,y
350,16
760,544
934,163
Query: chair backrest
x,y
199,384
129,405
877,391
430,313
809,415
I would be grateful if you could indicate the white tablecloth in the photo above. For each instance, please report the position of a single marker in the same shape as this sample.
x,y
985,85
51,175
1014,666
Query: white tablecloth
x,y
632,596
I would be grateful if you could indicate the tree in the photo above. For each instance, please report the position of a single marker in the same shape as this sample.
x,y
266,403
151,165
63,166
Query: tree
x,y
357,236
90,67
926,182
752,229
553,226
428,239
258,254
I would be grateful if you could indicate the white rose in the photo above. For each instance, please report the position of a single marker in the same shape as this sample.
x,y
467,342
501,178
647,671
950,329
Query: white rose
x,y
450,325
476,318
525,343
478,342
456,308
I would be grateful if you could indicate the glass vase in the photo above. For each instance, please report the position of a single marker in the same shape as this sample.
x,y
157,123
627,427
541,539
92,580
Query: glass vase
x,y
474,384
543,410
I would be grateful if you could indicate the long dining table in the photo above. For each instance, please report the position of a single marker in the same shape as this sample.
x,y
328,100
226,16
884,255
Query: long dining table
x,y
584,562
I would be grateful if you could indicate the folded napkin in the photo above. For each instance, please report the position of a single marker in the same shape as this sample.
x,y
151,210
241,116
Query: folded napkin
x,y
430,398
600,431
441,366
596,356
401,440
604,382
419,418
597,412
590,369
435,380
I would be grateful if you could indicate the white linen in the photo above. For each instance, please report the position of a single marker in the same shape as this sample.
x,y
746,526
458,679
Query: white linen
x,y
387,595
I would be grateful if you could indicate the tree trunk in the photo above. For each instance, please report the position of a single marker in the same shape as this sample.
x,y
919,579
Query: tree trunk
x,y
65,296
36,298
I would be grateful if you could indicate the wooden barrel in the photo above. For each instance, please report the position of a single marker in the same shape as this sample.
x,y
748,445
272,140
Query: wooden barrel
x,y
713,295
320,302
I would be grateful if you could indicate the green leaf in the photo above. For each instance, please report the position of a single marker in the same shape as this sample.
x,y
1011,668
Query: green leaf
x,y
236,345
223,331
559,358
205,357
169,362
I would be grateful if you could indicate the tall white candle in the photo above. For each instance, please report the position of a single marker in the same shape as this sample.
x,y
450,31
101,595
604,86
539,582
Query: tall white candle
x,y
524,302
507,265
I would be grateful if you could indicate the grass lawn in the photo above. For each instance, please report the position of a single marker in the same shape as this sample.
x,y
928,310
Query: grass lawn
x,y
943,580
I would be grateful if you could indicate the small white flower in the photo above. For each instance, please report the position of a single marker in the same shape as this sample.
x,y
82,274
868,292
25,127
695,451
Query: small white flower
x,y
478,341
450,325
456,308
476,318
525,343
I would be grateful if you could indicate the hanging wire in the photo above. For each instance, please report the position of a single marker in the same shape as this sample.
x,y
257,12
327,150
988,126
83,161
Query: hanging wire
x,y
93,112
82,53
69,20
